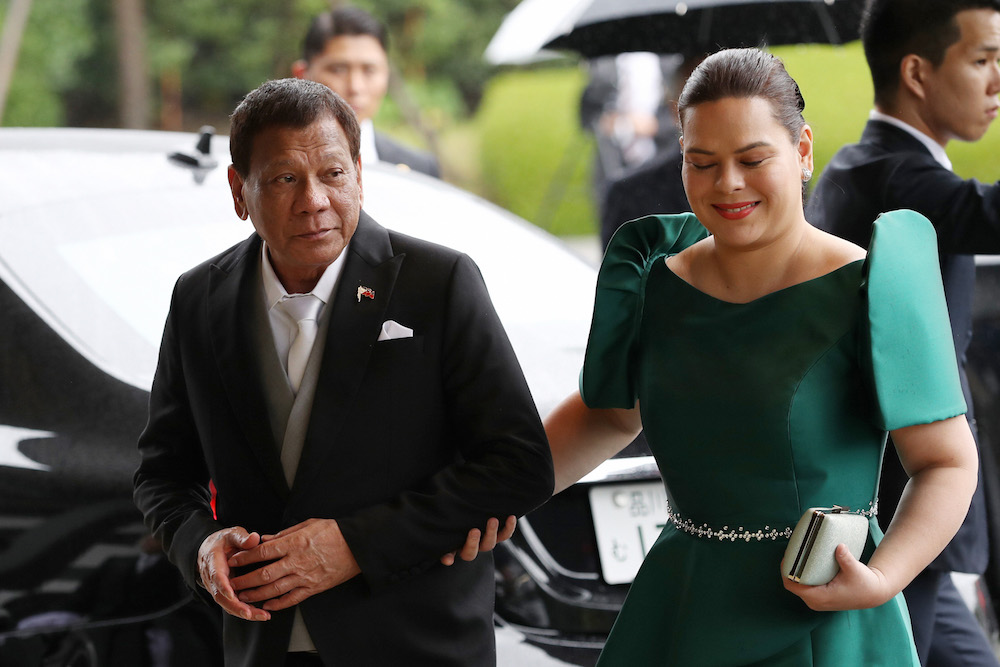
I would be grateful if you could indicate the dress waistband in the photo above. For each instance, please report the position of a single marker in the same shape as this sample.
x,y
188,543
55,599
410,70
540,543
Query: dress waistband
x,y
707,532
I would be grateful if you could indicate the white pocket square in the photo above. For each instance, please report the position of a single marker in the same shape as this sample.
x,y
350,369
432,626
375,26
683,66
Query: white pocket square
x,y
392,330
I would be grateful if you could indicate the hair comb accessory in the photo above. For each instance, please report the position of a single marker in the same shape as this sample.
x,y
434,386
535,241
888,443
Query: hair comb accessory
x,y
800,101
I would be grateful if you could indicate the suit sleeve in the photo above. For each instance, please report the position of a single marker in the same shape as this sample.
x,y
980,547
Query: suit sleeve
x,y
504,466
965,213
171,483
615,210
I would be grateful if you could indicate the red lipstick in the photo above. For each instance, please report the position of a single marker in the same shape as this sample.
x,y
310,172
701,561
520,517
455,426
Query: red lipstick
x,y
735,211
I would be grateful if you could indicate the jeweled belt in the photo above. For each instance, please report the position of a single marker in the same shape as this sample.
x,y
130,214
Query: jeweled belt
x,y
707,532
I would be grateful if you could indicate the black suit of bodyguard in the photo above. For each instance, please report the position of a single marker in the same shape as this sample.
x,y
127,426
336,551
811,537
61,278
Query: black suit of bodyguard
x,y
409,442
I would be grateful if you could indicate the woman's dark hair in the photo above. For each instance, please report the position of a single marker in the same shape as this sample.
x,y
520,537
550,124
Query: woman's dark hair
x,y
293,103
745,73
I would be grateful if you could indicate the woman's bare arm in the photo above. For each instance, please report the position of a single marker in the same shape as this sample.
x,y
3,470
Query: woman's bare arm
x,y
942,462
581,438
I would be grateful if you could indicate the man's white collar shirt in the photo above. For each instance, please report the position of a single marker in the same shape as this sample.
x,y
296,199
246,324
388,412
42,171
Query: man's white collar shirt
x,y
283,327
369,155
934,147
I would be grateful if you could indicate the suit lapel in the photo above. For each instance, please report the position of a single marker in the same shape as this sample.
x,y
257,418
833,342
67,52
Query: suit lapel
x,y
354,327
231,329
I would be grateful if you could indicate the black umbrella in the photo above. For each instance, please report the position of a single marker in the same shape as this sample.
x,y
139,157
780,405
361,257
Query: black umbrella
x,y
702,26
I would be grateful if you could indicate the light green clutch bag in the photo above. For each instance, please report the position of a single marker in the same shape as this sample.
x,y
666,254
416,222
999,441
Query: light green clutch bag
x,y
809,558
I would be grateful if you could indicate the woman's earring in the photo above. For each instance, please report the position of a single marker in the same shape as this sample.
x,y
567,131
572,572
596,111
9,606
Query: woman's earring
x,y
806,174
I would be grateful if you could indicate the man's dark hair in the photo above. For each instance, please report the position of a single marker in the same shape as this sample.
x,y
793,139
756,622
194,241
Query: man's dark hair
x,y
340,22
893,29
295,103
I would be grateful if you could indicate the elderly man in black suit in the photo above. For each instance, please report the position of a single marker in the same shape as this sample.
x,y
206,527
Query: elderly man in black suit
x,y
347,50
936,78
354,399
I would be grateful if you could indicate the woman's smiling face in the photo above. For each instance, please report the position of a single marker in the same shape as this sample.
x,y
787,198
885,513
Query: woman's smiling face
x,y
742,171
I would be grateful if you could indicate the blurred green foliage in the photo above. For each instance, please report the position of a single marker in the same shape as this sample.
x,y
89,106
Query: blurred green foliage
x,y
212,52
535,158
47,66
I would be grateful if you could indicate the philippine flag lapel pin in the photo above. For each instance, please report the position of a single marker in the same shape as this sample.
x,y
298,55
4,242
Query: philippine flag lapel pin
x,y
366,292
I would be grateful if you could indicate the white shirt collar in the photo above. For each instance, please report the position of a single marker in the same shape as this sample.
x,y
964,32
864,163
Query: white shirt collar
x,y
369,155
274,291
934,147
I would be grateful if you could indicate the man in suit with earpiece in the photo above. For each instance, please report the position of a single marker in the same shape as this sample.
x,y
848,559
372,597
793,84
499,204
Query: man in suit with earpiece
x,y
355,400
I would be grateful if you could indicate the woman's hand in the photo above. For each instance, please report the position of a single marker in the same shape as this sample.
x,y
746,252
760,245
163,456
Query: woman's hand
x,y
856,586
482,541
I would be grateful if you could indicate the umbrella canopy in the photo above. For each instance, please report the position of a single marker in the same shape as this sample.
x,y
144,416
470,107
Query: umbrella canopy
x,y
530,25
695,27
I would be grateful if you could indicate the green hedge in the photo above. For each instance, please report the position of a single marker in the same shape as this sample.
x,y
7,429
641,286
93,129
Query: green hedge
x,y
535,159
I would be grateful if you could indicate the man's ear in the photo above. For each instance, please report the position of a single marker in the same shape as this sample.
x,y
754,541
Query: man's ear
x,y
236,187
299,68
913,71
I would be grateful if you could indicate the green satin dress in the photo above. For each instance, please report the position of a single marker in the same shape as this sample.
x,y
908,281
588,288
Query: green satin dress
x,y
756,412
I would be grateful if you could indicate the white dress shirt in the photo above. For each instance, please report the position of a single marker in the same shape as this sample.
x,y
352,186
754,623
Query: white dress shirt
x,y
283,327
369,155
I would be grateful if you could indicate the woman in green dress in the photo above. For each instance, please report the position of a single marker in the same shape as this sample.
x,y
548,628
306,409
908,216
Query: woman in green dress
x,y
766,361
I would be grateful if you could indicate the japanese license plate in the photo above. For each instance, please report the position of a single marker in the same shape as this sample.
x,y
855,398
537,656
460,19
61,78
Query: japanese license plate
x,y
627,520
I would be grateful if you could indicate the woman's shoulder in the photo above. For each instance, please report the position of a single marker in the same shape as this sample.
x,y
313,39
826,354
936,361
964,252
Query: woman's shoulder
x,y
639,243
683,262
833,252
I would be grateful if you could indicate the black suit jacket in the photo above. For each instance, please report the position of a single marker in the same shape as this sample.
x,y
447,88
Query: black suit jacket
x,y
653,187
890,169
411,442
396,153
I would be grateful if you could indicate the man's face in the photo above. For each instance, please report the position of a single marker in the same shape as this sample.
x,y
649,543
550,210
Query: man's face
x,y
961,94
356,68
303,195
